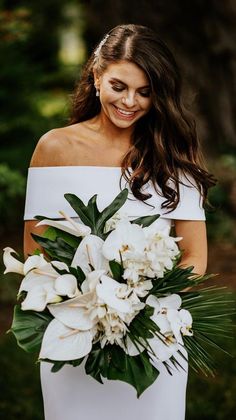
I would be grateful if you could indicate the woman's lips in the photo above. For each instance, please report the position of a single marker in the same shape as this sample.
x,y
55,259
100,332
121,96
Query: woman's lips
x,y
127,115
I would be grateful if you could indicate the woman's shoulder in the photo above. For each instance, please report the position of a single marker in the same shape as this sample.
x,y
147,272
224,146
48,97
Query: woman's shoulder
x,y
55,147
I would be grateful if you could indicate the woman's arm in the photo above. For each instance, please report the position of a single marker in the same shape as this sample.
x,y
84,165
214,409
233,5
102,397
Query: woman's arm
x,y
194,244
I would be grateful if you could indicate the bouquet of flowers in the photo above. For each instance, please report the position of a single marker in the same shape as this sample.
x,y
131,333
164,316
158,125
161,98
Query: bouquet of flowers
x,y
109,290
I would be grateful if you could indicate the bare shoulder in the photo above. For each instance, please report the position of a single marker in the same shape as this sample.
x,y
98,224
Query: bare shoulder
x,y
54,147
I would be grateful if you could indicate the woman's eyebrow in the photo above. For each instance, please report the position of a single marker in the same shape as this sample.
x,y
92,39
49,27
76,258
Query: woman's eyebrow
x,y
114,79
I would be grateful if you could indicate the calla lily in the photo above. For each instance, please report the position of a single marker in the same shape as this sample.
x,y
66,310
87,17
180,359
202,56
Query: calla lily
x,y
91,281
89,252
34,261
63,343
75,313
125,239
108,290
12,264
38,297
68,225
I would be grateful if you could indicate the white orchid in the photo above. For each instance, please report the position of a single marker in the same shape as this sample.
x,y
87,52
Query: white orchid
x,y
126,240
114,294
112,223
68,225
171,320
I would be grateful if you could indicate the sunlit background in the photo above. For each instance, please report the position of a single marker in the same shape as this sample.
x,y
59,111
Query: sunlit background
x,y
43,46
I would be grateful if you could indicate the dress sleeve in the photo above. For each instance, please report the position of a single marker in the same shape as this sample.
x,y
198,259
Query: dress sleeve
x,y
190,205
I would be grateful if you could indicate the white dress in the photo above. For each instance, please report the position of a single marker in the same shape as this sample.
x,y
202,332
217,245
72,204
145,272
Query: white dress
x,y
70,394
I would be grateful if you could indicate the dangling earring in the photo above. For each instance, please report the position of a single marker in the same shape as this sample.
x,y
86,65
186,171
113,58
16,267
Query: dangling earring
x,y
97,93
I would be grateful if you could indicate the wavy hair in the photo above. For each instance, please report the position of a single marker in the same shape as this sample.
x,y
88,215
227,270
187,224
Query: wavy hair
x,y
164,142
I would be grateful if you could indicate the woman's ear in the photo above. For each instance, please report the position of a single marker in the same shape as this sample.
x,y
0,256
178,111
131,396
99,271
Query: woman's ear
x,y
96,78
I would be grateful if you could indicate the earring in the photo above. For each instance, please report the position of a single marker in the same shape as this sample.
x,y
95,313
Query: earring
x,y
97,92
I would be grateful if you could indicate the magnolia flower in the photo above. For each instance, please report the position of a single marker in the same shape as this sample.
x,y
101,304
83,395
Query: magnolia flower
x,y
12,264
68,225
89,253
126,240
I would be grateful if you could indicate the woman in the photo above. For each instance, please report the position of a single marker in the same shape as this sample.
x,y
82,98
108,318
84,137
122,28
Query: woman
x,y
127,125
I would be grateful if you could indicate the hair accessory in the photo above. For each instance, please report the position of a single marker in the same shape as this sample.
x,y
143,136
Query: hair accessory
x,y
98,49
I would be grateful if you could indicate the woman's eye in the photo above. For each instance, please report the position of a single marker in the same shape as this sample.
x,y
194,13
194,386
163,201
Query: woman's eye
x,y
145,94
117,88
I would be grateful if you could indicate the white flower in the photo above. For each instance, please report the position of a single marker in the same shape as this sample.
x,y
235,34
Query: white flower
x,y
12,264
163,349
68,225
89,253
112,223
63,343
44,285
114,294
127,239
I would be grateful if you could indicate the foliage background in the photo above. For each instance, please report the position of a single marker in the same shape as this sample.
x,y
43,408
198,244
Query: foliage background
x,y
43,46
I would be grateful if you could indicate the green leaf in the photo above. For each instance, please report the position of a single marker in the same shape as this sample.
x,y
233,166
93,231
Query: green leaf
x,y
53,233
81,209
137,370
117,270
57,249
110,210
28,327
145,221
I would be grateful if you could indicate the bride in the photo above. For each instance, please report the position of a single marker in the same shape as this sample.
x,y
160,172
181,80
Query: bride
x,y
127,126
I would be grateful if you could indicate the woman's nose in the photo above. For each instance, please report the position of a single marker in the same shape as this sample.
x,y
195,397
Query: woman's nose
x,y
129,100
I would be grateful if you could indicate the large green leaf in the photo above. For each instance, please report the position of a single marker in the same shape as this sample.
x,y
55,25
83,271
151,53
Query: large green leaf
x,y
57,248
146,221
28,327
134,369
110,210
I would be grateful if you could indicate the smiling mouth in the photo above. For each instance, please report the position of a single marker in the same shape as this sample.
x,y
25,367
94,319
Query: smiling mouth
x,y
124,113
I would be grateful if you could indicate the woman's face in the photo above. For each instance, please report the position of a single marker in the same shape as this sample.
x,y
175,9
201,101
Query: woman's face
x,y
125,93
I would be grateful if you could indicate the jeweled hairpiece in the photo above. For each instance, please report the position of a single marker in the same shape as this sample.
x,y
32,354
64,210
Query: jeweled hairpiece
x,y
98,49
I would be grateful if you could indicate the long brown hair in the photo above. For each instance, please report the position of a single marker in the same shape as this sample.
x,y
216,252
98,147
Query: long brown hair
x,y
164,142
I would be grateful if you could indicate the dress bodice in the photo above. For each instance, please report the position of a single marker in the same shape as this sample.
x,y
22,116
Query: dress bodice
x,y
46,187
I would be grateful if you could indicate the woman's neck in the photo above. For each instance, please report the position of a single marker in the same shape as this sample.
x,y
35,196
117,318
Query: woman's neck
x,y
110,133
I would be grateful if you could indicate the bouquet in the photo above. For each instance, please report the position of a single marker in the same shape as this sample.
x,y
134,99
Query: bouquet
x,y
109,291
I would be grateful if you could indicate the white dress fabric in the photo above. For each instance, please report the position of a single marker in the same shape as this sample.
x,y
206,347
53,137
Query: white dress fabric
x,y
70,394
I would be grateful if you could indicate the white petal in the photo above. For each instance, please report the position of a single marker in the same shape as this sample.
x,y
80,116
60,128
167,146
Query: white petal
x,y
162,351
126,235
63,343
173,301
32,280
60,265
162,322
12,264
38,297
74,316
91,280
76,229
154,302
88,252
106,290
66,285
34,261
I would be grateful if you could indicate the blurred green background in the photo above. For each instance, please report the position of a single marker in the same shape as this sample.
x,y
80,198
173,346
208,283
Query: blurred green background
x,y
43,46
